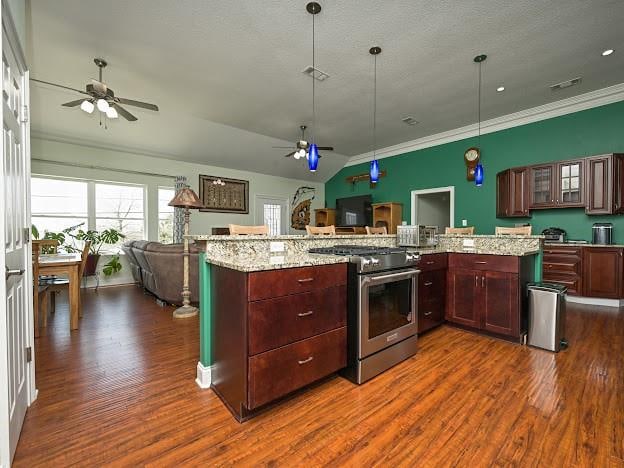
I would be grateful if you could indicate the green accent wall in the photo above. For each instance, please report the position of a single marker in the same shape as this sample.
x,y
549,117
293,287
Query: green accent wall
x,y
595,131
205,312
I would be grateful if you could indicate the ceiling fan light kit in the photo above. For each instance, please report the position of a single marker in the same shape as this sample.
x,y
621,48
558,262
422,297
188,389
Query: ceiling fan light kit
x,y
87,106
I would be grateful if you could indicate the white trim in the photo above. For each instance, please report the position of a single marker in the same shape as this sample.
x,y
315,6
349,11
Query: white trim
x,y
451,191
204,376
597,301
570,105
285,202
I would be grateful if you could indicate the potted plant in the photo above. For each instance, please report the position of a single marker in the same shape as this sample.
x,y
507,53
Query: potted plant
x,y
98,240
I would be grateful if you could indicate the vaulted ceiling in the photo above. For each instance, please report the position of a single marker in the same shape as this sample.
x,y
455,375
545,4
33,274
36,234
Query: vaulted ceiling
x,y
227,75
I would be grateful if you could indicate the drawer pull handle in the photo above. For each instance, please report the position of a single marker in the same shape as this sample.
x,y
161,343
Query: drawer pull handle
x,y
305,314
305,280
430,262
483,281
428,313
428,283
305,361
481,263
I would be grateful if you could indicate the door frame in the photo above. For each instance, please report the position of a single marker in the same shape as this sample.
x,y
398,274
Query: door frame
x,y
13,43
285,201
414,201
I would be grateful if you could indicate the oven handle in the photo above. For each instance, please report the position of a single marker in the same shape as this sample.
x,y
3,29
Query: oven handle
x,y
392,276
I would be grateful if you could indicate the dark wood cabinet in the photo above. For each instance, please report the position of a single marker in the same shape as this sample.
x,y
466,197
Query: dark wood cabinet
x,y
605,184
564,265
485,292
542,186
602,272
570,183
512,193
275,332
431,299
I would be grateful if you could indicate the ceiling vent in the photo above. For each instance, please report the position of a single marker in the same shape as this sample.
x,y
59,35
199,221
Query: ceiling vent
x,y
409,120
565,84
315,73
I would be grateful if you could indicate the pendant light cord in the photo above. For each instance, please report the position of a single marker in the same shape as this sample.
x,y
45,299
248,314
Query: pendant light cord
x,y
479,107
375,111
313,83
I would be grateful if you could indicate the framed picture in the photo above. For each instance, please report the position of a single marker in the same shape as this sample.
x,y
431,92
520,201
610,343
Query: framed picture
x,y
221,195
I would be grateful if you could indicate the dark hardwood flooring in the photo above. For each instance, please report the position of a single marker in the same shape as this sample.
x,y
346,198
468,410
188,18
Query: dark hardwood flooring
x,y
121,391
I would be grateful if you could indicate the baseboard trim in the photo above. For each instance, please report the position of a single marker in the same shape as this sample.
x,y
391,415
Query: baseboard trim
x,y
597,301
204,376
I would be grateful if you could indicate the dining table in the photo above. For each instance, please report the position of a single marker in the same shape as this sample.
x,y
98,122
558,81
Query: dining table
x,y
67,265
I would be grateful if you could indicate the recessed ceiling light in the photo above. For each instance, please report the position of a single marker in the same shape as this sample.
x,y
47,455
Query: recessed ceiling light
x,y
607,52
500,89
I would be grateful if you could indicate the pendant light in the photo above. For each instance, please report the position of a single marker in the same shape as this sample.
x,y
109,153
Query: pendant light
x,y
478,174
313,158
374,165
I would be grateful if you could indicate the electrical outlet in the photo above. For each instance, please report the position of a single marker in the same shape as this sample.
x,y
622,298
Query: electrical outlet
x,y
464,222
277,246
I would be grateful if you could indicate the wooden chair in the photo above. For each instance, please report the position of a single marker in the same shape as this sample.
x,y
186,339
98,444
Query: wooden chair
x,y
520,230
321,230
56,285
40,293
238,230
376,230
467,231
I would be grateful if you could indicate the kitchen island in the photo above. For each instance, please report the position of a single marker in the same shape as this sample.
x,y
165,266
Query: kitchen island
x,y
273,316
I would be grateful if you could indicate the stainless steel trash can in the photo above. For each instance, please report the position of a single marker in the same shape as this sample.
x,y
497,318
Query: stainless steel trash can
x,y
547,315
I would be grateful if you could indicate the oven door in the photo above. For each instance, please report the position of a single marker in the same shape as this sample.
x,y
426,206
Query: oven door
x,y
387,309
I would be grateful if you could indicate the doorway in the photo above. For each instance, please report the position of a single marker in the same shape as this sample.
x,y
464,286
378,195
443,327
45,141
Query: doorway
x,y
272,212
434,207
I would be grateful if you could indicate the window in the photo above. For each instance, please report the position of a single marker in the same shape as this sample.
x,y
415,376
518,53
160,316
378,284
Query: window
x,y
58,204
272,213
273,218
165,215
120,207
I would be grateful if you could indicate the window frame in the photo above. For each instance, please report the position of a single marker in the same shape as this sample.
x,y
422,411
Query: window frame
x,y
158,189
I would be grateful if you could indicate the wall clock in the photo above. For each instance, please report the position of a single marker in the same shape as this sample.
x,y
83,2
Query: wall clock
x,y
471,158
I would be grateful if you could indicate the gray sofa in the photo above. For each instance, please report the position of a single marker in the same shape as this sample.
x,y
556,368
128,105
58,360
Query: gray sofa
x,y
159,269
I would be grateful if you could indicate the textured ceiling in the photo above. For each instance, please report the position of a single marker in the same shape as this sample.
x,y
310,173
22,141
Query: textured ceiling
x,y
224,73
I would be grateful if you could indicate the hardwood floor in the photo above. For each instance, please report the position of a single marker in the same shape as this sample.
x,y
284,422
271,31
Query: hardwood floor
x,y
120,390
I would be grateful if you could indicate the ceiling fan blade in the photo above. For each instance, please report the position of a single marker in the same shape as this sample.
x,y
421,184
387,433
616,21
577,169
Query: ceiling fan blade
x,y
131,102
123,112
290,154
75,103
59,86
100,88
326,148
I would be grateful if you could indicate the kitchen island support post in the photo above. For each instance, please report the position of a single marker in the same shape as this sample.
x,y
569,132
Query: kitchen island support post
x,y
205,323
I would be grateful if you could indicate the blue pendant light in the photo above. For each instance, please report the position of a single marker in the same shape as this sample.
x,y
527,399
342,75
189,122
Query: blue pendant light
x,y
478,174
313,157
374,165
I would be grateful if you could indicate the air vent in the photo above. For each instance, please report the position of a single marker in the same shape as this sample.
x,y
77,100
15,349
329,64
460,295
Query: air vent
x,y
409,120
315,73
565,84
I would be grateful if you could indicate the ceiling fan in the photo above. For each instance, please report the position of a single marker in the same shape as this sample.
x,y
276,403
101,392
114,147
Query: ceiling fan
x,y
301,146
102,97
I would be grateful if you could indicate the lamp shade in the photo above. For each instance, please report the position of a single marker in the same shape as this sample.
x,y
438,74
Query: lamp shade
x,y
374,171
186,198
478,175
313,157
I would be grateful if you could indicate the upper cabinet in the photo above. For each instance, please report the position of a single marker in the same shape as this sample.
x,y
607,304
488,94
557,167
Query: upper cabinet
x,y
595,182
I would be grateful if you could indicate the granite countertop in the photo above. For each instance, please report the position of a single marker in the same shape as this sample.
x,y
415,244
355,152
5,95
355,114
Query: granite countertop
x,y
262,262
435,250
571,244
299,237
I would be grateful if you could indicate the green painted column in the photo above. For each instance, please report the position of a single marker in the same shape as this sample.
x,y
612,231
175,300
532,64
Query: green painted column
x,y
205,312
538,265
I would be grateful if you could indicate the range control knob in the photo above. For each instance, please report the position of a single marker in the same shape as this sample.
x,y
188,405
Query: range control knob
x,y
374,261
410,257
366,261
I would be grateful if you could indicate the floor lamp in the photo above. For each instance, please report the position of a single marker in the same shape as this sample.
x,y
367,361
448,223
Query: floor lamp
x,y
186,199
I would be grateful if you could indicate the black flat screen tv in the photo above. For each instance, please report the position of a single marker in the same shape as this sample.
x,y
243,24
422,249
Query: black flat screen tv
x,y
354,211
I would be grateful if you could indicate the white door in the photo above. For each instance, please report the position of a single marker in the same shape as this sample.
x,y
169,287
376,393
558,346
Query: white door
x,y
272,212
16,291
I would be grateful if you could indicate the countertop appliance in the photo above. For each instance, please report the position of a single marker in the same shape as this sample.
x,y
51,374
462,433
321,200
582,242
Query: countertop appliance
x,y
382,303
554,234
417,236
602,233
547,313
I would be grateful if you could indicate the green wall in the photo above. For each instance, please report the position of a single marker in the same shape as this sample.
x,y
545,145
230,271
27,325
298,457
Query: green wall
x,y
594,131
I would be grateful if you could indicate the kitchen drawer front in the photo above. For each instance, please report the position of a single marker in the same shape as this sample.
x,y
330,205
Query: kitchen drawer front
x,y
562,251
431,287
573,282
430,262
430,315
284,320
277,283
502,263
562,265
278,372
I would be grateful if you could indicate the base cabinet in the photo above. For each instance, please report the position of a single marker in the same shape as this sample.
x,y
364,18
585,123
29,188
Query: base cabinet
x,y
431,291
463,297
602,272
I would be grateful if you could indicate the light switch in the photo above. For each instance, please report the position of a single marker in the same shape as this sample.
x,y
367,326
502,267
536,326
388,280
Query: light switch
x,y
464,222
277,246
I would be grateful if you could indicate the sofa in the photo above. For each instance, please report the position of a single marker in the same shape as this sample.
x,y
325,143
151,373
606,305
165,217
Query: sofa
x,y
159,269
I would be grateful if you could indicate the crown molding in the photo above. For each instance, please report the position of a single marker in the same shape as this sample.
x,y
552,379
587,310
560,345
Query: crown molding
x,y
570,105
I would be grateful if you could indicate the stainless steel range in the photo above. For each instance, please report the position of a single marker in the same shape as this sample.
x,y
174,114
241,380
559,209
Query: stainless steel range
x,y
382,307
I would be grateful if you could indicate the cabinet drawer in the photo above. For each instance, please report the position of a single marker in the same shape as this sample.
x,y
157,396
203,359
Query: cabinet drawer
x,y
276,373
278,322
276,283
572,282
430,262
430,314
431,287
559,251
561,265
503,263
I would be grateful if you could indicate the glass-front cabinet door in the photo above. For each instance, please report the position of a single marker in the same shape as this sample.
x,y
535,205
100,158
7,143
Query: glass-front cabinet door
x,y
542,186
570,186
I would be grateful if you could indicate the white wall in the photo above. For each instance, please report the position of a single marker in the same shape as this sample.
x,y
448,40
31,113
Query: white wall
x,y
433,210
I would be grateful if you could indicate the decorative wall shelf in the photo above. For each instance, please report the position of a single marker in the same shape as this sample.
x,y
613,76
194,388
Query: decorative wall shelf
x,y
360,177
